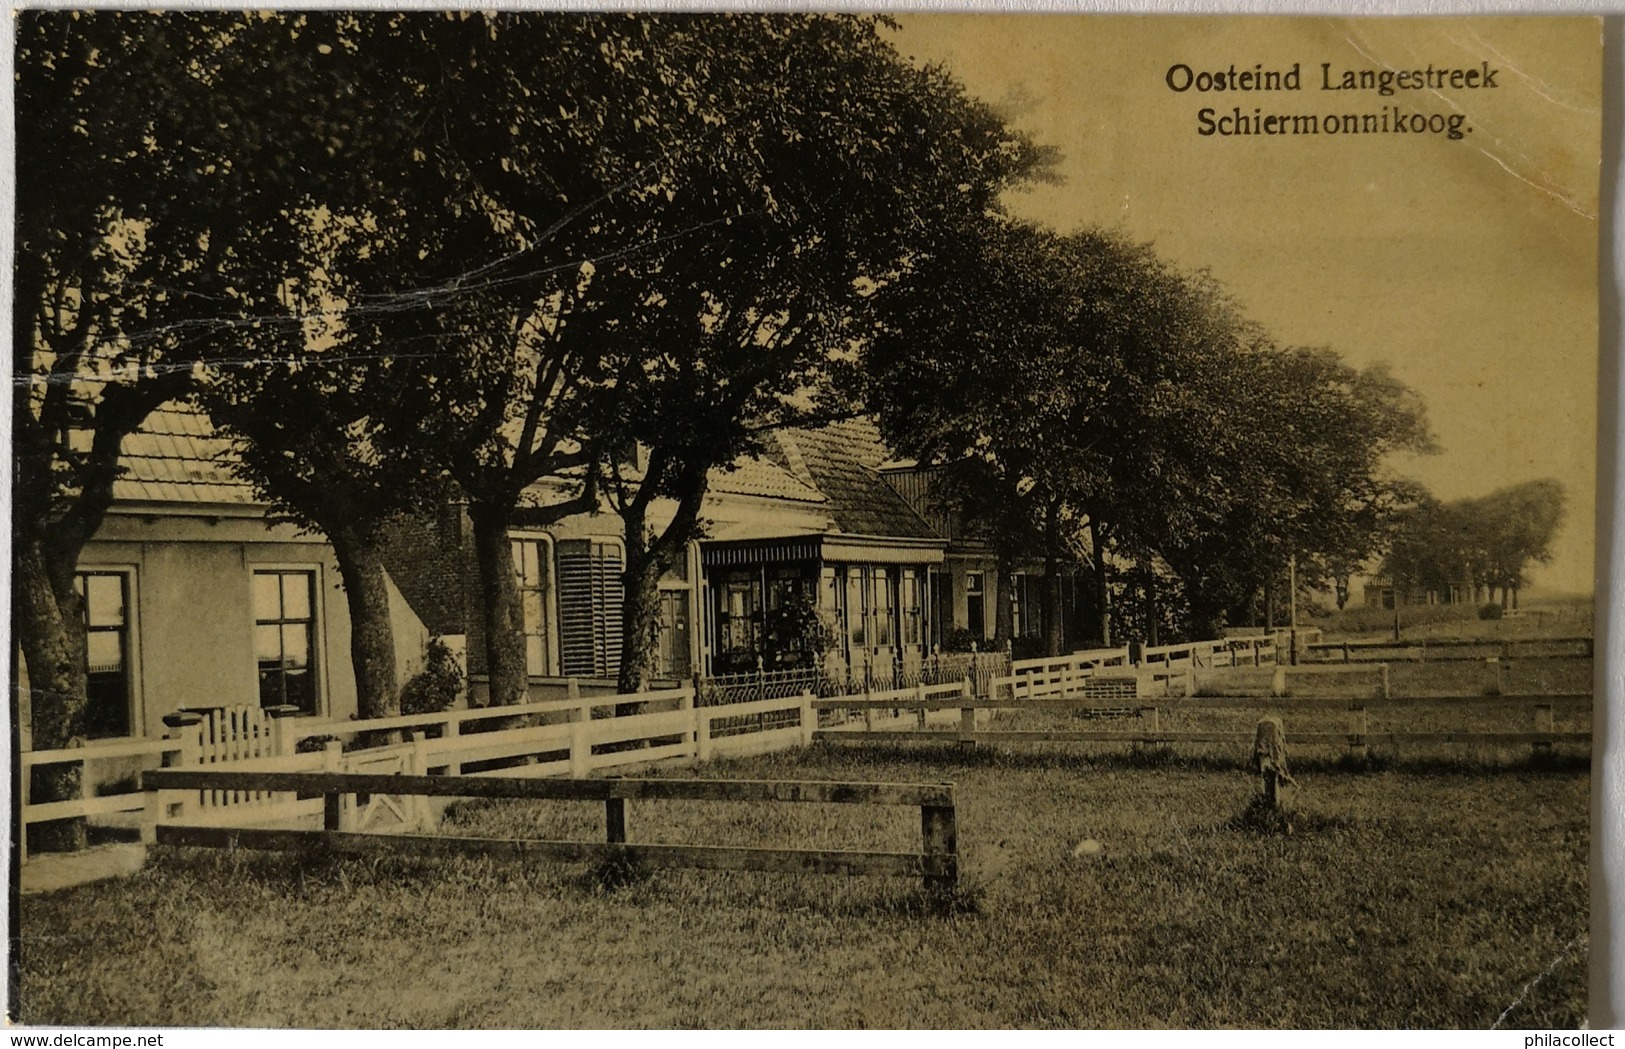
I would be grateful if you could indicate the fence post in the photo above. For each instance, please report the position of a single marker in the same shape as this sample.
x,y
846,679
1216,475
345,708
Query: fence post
x,y
919,694
282,741
941,840
1543,724
967,712
580,749
702,733
1357,732
186,727
1382,674
615,821
418,765
809,719
1345,651
333,801
1497,683
1278,681
1156,717
868,711
686,701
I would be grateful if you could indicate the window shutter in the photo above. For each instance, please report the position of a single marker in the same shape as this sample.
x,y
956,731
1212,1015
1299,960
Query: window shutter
x,y
590,600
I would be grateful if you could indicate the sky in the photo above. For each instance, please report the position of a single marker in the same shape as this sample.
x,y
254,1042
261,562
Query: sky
x,y
1469,265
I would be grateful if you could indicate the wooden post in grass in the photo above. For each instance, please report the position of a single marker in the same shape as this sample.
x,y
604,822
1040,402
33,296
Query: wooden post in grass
x,y
615,821
967,714
333,801
919,694
580,749
1543,725
1357,731
1497,681
1278,681
1155,716
1382,675
941,841
1269,759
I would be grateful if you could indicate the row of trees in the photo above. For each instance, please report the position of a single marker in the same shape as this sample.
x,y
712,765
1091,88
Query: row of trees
x,y
408,256
1486,544
1088,400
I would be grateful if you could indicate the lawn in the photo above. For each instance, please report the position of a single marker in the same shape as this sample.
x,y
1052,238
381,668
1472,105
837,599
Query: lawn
x,y
1428,895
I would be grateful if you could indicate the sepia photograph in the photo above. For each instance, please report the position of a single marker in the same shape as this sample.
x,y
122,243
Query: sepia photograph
x,y
803,520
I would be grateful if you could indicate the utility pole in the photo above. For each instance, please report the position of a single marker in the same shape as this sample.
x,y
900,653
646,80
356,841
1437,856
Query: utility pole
x,y
1292,598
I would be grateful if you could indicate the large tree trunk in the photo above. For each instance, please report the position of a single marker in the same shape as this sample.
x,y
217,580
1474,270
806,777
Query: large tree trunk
x,y
49,626
509,680
646,561
640,620
372,635
1152,634
1004,604
1103,594
1054,641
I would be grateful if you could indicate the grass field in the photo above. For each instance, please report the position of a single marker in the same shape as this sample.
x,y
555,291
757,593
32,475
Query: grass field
x,y
1552,616
1427,895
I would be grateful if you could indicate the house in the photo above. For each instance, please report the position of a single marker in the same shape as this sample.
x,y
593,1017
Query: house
x,y
195,598
866,573
822,552
1379,593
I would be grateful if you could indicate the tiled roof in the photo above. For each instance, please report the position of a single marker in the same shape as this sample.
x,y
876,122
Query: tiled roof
x,y
842,460
176,458
765,479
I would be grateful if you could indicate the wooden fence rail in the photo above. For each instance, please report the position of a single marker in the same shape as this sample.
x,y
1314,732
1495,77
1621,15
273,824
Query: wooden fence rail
x,y
937,863
553,737
1441,650
1357,738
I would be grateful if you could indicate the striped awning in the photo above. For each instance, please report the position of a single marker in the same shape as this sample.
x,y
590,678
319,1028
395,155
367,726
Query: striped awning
x,y
761,551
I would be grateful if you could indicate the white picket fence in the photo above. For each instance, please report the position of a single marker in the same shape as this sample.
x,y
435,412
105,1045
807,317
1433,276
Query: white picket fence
x,y
575,736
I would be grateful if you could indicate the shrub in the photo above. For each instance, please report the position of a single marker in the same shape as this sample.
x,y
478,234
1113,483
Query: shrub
x,y
1490,611
959,639
435,687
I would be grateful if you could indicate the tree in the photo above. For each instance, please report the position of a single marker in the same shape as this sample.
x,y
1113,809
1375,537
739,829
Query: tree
x,y
842,163
306,430
1138,404
619,226
1488,541
142,162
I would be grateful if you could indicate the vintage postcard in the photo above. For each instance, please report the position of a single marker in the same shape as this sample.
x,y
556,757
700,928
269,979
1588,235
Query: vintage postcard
x,y
803,520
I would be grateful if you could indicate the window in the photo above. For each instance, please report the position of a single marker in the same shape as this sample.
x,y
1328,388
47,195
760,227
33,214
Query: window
x,y
285,637
881,603
855,632
589,608
107,652
910,605
741,616
975,620
530,565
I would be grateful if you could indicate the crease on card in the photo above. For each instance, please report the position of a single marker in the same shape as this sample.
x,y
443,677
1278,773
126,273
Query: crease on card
x,y
1497,142
1568,952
